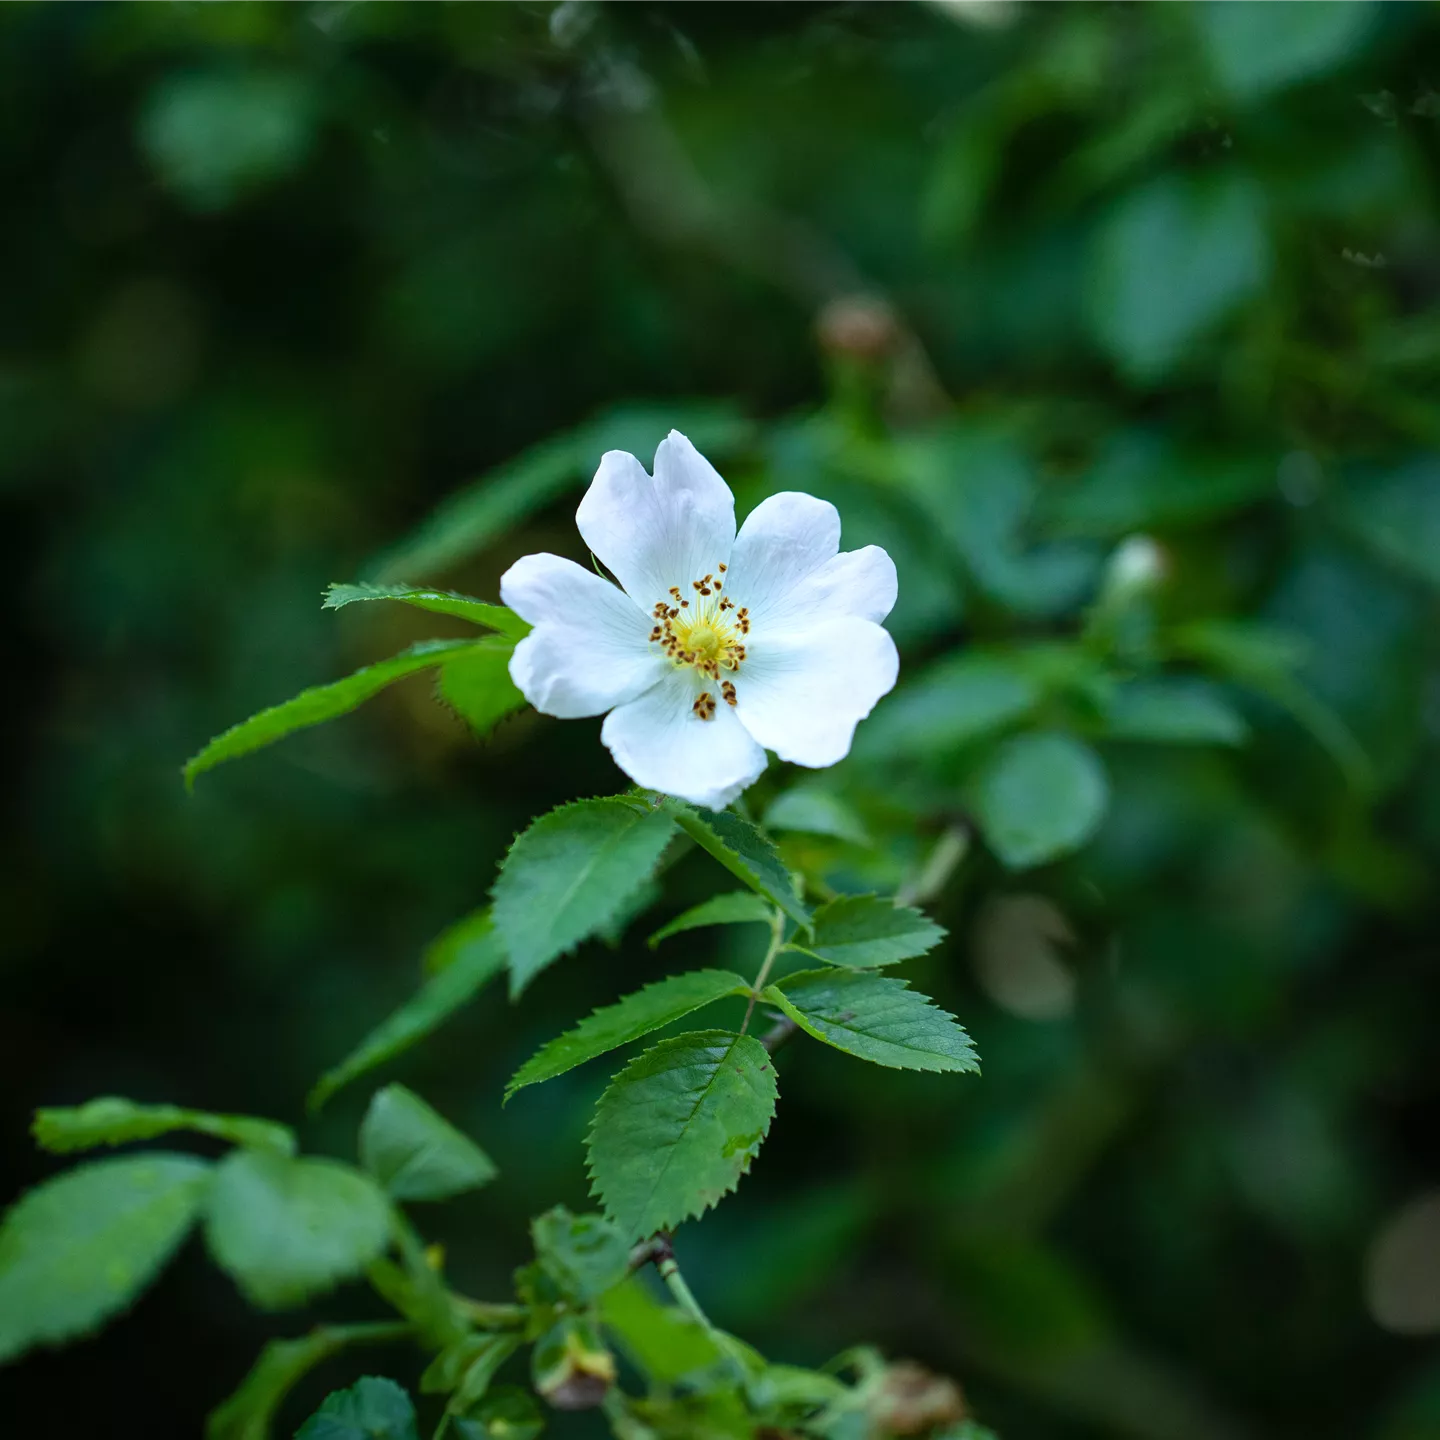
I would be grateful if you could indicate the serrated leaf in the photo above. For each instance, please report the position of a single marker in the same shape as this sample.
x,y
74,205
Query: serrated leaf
x,y
473,955
478,687
747,853
440,602
248,1412
472,517
112,1120
875,1017
373,1408
808,810
1040,795
288,1229
678,1127
864,931
737,908
585,1255
318,704
569,875
626,1020
415,1153
81,1247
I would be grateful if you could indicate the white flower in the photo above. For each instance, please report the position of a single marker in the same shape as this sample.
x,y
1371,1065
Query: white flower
x,y
720,646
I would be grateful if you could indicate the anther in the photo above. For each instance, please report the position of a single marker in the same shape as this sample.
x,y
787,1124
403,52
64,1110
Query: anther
x,y
723,568
684,604
728,691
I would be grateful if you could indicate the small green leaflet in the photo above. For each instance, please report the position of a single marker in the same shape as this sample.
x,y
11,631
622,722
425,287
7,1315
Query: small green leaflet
x,y
111,1120
678,1127
875,1017
809,810
473,955
735,908
1040,795
661,1340
415,1153
319,703
626,1020
866,930
81,1247
373,1408
466,938
1174,710
510,1412
569,875
478,687
473,1362
744,851
440,602
585,1255
248,1413
288,1229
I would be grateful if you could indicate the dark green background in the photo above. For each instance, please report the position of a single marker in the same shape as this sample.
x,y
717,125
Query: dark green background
x,y
279,278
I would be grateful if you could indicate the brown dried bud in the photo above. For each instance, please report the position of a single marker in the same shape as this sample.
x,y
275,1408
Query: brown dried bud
x,y
858,327
911,1400
572,1368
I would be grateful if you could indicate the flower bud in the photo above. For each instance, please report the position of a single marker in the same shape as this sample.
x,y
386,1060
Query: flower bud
x,y
572,1368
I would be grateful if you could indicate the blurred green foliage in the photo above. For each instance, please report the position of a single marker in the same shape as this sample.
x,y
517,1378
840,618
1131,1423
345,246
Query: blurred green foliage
x,y
1013,287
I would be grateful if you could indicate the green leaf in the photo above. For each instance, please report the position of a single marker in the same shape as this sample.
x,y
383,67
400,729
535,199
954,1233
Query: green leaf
x,y
467,1369
471,518
288,1229
569,875
678,1127
440,602
661,1340
1174,710
249,1412
811,811
1398,516
318,704
111,1120
80,1248
468,957
1208,228
415,1153
736,908
585,1255
478,687
510,1413
743,850
866,930
626,1020
1039,796
1257,49
950,705
373,1408
875,1017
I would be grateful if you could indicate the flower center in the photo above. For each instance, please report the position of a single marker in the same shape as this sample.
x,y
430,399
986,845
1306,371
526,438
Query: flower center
x,y
703,632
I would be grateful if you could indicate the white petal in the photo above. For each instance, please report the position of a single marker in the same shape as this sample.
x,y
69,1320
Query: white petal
x,y
784,540
860,583
659,742
802,694
590,649
655,533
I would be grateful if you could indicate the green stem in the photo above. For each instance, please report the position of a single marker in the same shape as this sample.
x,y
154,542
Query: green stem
x,y
777,936
669,1272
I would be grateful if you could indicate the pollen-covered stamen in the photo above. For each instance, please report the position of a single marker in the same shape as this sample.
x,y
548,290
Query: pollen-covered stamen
x,y
727,691
707,637
704,705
